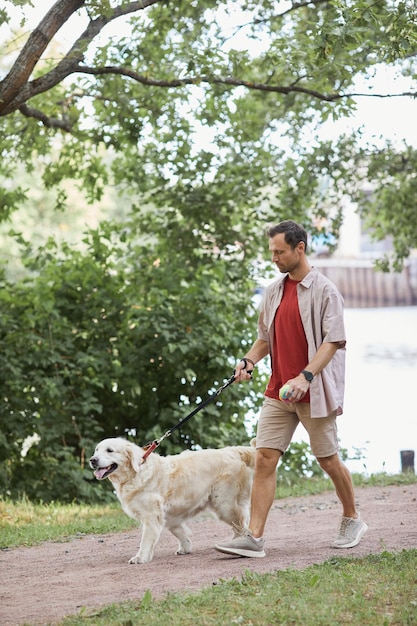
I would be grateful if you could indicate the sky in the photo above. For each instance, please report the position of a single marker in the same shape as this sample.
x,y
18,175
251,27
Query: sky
x,y
390,118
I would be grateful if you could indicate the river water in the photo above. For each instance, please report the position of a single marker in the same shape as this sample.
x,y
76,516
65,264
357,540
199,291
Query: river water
x,y
380,412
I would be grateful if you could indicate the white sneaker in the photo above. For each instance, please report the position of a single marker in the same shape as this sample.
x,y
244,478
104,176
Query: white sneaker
x,y
351,532
244,545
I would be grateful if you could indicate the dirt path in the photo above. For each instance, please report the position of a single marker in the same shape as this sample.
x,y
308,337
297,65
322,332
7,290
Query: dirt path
x,y
43,584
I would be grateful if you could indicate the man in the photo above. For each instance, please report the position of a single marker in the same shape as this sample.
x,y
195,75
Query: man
x,y
301,327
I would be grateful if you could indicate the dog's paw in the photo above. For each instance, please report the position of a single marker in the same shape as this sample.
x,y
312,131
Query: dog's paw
x,y
136,560
184,551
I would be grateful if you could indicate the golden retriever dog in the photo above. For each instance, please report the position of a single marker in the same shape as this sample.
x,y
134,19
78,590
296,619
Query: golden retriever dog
x,y
167,491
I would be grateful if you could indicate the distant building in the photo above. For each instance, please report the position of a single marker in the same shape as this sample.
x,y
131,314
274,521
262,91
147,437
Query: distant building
x,y
351,267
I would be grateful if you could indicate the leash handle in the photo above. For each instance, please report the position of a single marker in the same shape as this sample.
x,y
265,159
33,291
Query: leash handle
x,y
246,361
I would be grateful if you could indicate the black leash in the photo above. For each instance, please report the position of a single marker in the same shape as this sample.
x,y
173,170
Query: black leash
x,y
150,447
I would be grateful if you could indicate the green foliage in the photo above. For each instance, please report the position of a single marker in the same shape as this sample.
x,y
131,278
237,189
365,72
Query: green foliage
x,y
206,139
390,207
122,339
189,98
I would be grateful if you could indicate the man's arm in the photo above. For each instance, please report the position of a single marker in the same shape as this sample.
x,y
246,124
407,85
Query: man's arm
x,y
300,385
322,358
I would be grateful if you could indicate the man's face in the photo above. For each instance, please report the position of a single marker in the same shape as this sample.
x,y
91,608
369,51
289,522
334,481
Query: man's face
x,y
285,258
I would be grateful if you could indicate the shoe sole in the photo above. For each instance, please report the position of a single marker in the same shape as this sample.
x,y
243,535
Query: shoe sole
x,y
241,552
352,544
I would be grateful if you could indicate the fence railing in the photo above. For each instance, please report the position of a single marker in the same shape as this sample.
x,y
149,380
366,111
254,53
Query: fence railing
x,y
363,286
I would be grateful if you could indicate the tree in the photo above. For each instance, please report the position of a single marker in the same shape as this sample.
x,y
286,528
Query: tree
x,y
165,105
122,339
203,138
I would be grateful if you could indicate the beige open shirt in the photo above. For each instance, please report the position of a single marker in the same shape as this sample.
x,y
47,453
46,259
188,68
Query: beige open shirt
x,y
321,310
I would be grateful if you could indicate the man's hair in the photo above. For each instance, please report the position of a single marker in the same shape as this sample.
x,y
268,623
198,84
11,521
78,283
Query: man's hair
x,y
294,233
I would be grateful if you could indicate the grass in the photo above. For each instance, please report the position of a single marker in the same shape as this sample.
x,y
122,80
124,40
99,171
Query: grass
x,y
378,590
25,523
319,484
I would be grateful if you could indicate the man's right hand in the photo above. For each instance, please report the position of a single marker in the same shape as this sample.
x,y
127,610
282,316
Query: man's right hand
x,y
243,371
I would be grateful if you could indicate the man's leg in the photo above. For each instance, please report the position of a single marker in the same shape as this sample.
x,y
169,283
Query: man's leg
x,y
352,528
276,427
263,489
324,444
342,480
251,543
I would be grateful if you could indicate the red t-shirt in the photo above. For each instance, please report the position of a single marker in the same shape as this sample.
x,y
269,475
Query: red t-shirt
x,y
290,347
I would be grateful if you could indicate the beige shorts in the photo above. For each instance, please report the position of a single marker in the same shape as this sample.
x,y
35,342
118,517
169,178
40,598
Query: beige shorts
x,y
278,421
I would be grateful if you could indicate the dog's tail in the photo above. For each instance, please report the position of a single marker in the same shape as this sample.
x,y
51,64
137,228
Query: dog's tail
x,y
247,453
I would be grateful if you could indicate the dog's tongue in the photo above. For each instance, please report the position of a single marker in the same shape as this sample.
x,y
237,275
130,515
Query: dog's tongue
x,y
99,473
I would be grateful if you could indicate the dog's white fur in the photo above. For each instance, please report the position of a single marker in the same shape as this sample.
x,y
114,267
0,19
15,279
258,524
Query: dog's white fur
x,y
167,491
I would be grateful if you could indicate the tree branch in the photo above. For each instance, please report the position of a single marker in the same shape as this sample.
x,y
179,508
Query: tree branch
x,y
49,122
34,48
15,90
181,82
234,82
65,125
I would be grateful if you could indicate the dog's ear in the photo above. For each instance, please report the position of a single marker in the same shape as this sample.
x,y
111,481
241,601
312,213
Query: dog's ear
x,y
134,456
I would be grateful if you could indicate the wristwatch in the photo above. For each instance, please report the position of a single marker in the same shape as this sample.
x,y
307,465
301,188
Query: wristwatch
x,y
308,375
